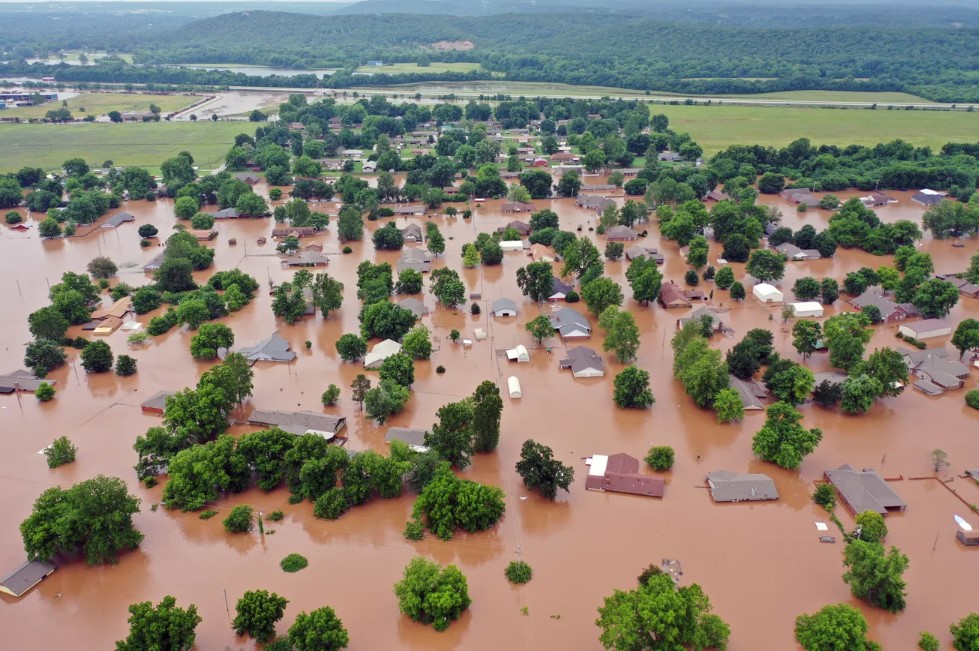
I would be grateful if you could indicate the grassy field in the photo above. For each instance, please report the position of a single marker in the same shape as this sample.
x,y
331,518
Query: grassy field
x,y
436,67
101,103
145,145
837,96
716,127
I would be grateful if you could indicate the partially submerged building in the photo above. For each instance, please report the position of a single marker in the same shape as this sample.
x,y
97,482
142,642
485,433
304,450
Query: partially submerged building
x,y
299,422
864,490
381,352
559,289
570,324
752,393
889,310
21,380
504,307
156,404
418,260
271,349
413,438
583,362
926,329
619,473
18,582
936,371
726,486
671,296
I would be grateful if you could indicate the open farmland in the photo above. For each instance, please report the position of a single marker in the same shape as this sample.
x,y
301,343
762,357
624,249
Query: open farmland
x,y
101,103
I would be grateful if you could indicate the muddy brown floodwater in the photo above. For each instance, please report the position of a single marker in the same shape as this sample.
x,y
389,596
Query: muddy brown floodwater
x,y
761,563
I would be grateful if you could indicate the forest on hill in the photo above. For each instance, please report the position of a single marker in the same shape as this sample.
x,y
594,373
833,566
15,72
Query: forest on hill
x,y
743,50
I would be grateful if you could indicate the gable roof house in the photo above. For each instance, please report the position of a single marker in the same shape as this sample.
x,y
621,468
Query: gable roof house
x,y
864,490
118,219
753,393
409,210
726,486
521,227
928,197
299,422
620,233
876,198
619,473
155,404
889,310
570,323
306,258
504,307
380,352
935,370
800,196
671,296
794,253
412,233
583,362
518,354
419,260
964,286
250,179
596,204
271,349
295,231
415,306
716,321
559,289
227,213
413,438
925,329
515,207
635,251
119,309
18,582
21,380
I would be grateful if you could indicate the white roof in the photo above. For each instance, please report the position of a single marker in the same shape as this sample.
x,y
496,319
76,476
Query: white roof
x,y
381,352
597,464
513,384
807,306
765,289
508,245
519,353
933,192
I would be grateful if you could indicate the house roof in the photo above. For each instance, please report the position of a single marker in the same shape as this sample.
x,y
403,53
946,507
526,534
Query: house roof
x,y
671,296
21,380
414,305
412,230
414,438
598,204
568,319
717,195
417,259
833,377
558,286
934,366
409,210
726,486
521,227
119,309
248,177
381,351
118,219
635,251
926,325
515,207
752,393
582,358
504,303
227,213
297,231
620,233
880,299
25,577
271,349
864,490
619,473
306,259
703,311
157,401
298,422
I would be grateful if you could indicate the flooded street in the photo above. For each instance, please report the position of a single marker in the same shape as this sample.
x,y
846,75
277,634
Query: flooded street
x,y
761,564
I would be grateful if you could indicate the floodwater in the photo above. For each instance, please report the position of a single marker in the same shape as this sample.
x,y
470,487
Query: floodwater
x,y
258,71
761,564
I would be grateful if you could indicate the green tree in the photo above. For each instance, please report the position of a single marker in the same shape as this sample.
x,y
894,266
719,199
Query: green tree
x,y
579,256
60,452
320,630
805,337
965,633
737,291
766,265
518,572
875,576
470,256
97,357
833,628
857,393
872,526
409,282
614,250
806,288
966,335
175,275
660,458
771,183
359,388
703,374
934,298
102,267
621,333
782,440
186,207
257,612
431,594
539,328
793,384
193,312
724,278
327,294
239,520
541,472
447,287
48,323
93,518
452,435
887,366
330,396
43,356
846,336
728,406
535,281
632,389
351,347
928,642
398,368
602,293
417,344
697,252
385,399
44,392
164,627
125,366
49,228
487,408
673,618
210,337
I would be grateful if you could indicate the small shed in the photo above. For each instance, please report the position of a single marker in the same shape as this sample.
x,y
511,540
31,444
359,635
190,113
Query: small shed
x,y
504,307
968,538
381,352
25,577
807,308
926,329
511,245
767,293
518,354
513,384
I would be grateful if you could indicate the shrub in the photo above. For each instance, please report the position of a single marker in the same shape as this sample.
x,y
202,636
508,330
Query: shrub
x,y
295,499
44,392
972,398
239,520
208,514
572,297
518,572
474,309
275,516
660,458
330,396
440,369
331,504
825,496
144,242
293,563
414,530
13,217
60,452
147,230
928,642
137,338
454,335
872,527
347,249
125,366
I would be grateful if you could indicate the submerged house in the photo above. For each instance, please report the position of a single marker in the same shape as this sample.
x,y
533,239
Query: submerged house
x,y
418,260
889,310
27,575
753,393
672,296
792,252
621,233
21,380
571,324
864,490
413,438
504,307
299,422
635,251
156,404
619,473
381,352
415,306
583,362
118,219
271,349
935,370
559,289
926,329
726,486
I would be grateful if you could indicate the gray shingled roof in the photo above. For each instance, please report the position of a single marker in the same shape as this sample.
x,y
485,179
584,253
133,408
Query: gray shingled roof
x,y
157,401
22,380
271,349
25,577
864,490
726,486
412,437
501,304
582,358
567,320
298,422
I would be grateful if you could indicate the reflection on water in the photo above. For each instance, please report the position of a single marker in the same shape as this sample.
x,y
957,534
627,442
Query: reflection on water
x,y
760,563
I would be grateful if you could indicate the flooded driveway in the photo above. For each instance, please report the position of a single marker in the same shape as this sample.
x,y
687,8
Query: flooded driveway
x,y
761,564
